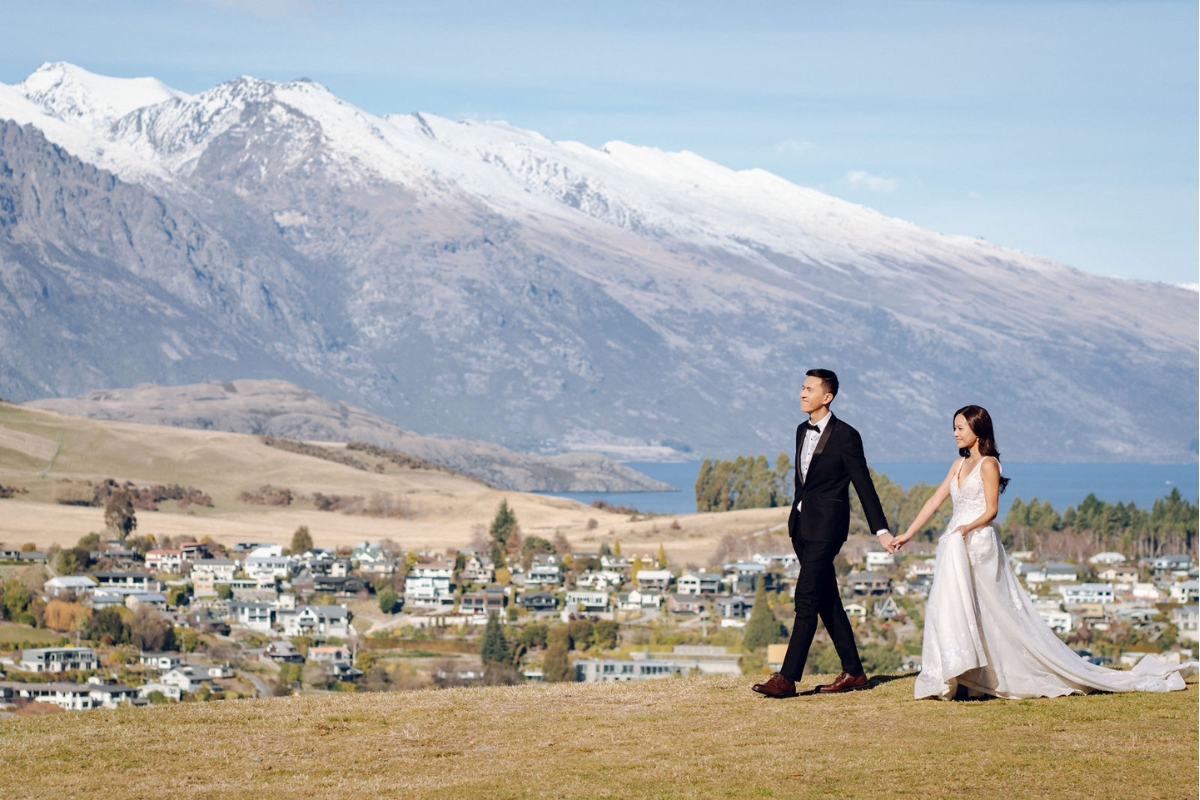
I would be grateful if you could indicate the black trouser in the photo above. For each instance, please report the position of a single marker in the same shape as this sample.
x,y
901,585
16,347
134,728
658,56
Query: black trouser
x,y
817,594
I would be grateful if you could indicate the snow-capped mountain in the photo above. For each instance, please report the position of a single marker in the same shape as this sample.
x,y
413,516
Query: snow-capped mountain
x,y
478,279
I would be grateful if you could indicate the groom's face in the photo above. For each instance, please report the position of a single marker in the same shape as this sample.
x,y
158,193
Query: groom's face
x,y
813,395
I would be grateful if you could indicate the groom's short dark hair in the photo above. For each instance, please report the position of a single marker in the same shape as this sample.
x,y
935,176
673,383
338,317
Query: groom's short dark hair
x,y
827,377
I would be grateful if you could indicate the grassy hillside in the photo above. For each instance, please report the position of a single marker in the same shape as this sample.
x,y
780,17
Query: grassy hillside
x,y
701,737
39,450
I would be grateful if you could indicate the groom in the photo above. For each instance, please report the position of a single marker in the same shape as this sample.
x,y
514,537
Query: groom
x,y
829,457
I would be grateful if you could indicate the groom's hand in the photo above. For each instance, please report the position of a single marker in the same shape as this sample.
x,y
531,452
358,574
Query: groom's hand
x,y
888,542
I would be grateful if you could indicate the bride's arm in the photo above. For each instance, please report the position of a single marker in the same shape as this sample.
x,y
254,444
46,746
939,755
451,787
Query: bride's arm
x,y
989,472
928,510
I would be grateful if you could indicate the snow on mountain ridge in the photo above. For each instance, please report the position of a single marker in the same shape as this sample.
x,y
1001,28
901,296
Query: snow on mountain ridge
x,y
71,93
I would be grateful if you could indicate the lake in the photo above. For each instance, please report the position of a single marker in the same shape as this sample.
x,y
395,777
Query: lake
x,y
1061,484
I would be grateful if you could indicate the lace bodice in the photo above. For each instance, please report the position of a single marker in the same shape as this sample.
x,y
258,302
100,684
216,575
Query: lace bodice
x,y
969,501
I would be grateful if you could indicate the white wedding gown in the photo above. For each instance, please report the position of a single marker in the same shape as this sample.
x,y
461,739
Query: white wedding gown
x,y
982,631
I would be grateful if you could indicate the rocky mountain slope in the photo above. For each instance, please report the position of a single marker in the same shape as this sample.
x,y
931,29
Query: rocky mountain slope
x,y
278,408
479,280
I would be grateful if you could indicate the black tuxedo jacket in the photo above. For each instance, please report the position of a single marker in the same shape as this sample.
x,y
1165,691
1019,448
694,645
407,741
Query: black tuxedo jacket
x,y
824,497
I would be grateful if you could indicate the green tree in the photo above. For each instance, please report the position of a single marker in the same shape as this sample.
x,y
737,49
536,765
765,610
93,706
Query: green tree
x,y
224,591
494,648
504,529
188,639
108,623
302,541
661,558
119,515
388,600
762,629
556,666
533,545
605,634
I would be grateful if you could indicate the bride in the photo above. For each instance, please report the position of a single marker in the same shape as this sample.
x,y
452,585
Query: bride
x,y
982,632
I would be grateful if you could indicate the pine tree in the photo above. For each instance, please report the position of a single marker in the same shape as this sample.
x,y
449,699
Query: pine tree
x,y
494,649
302,541
503,531
763,628
661,558
616,547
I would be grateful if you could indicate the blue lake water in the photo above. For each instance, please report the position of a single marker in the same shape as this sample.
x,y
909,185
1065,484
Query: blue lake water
x,y
1061,484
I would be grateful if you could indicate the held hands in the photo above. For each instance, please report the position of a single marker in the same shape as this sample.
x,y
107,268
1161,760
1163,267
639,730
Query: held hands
x,y
894,543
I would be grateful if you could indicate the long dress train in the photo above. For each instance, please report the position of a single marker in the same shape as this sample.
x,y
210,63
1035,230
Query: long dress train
x,y
983,632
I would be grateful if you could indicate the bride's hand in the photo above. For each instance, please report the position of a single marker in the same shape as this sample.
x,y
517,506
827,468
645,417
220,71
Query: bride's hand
x,y
901,540
962,529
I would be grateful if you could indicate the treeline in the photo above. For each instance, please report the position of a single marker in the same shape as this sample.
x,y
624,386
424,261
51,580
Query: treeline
x,y
144,498
750,482
745,482
314,451
1168,526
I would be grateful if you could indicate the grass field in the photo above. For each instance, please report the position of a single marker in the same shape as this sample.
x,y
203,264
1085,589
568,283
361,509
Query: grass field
x,y
702,737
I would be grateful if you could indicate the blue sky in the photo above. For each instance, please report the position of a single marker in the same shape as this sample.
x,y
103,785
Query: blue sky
x,y
1065,129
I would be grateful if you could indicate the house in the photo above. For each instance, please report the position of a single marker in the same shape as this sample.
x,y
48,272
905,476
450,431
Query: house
x,y
160,661
1146,591
58,659
255,616
886,608
368,553
698,583
378,569
1087,593
857,612
614,562
685,603
544,575
1051,573
142,581
478,569
588,601
1108,559
600,580
437,568
327,654
221,570
319,621
274,566
187,678
733,607
784,560
167,690
869,583
603,670
342,671
1059,621
537,601
428,591
659,579
108,693
879,558
162,559
638,600
1186,591
283,652
1126,575
345,586
922,568
69,585
497,598
1186,620
473,603
265,550
138,600
1171,563
67,696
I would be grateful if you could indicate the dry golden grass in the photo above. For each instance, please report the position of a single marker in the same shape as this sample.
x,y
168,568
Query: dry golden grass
x,y
703,737
39,449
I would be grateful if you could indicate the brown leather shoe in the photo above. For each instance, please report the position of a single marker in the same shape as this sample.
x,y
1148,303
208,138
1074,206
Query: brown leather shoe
x,y
776,686
844,683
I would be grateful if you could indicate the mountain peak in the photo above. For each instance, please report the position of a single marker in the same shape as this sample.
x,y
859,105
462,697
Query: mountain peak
x,y
72,94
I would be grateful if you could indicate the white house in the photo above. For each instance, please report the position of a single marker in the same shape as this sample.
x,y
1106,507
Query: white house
x,y
162,661
1171,563
638,599
328,654
1087,593
784,560
427,591
1107,558
266,551
600,580
879,558
698,583
1186,619
68,584
1126,575
544,575
478,569
163,559
221,569
610,561
320,621
588,601
269,566
921,569
654,579
1147,591
1186,591
1059,621
255,616
67,696
58,659
1051,573
439,568
187,678
165,689
108,693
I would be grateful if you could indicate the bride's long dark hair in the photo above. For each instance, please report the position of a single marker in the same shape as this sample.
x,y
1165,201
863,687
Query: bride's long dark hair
x,y
980,422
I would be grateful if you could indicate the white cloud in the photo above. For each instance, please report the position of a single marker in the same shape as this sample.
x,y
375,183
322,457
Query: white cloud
x,y
790,145
872,183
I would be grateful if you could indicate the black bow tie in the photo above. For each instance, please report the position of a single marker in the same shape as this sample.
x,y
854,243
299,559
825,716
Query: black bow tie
x,y
811,427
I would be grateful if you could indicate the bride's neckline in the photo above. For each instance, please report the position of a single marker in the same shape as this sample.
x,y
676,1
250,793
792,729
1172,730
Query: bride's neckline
x,y
959,478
